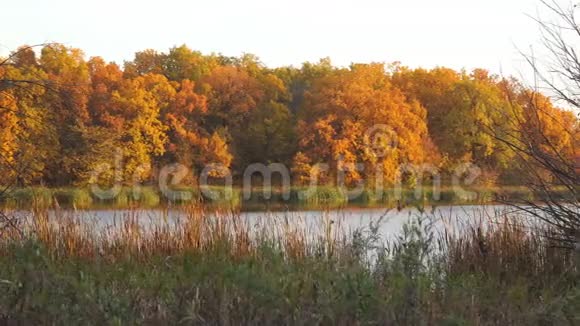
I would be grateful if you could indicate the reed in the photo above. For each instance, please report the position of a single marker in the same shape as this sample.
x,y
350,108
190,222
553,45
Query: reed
x,y
213,267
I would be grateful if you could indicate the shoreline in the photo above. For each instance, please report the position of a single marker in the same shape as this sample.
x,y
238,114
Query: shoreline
x,y
80,198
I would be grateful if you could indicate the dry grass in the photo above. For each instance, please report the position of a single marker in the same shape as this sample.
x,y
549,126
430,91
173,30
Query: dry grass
x,y
218,268
67,234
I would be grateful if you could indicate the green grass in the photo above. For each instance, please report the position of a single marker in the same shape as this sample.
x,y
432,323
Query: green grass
x,y
299,197
211,273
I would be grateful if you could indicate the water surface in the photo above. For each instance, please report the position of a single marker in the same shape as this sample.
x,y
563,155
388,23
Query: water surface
x,y
389,221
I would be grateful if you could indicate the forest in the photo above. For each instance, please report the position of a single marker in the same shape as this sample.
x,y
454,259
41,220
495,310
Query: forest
x,y
182,106
93,231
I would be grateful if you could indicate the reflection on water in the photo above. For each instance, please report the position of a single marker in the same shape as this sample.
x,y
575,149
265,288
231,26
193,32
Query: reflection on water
x,y
390,221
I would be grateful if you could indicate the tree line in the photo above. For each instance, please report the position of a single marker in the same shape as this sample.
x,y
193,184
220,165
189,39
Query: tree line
x,y
186,107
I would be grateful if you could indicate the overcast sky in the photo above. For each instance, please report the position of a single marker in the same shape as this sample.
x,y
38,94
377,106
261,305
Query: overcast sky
x,y
453,33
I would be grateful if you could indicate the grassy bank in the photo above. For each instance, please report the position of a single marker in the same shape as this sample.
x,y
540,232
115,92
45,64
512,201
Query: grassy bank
x,y
217,271
299,197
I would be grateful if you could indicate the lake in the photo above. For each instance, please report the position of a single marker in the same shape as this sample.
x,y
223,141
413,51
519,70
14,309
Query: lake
x,y
388,221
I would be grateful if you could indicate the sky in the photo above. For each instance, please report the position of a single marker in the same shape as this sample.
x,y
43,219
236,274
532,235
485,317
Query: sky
x,y
453,33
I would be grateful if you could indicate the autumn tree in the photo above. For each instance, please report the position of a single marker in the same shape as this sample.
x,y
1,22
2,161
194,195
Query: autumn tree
x,y
182,63
474,102
68,74
299,80
145,62
139,102
270,137
430,88
343,106
195,109
188,141
232,95
460,106
27,143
